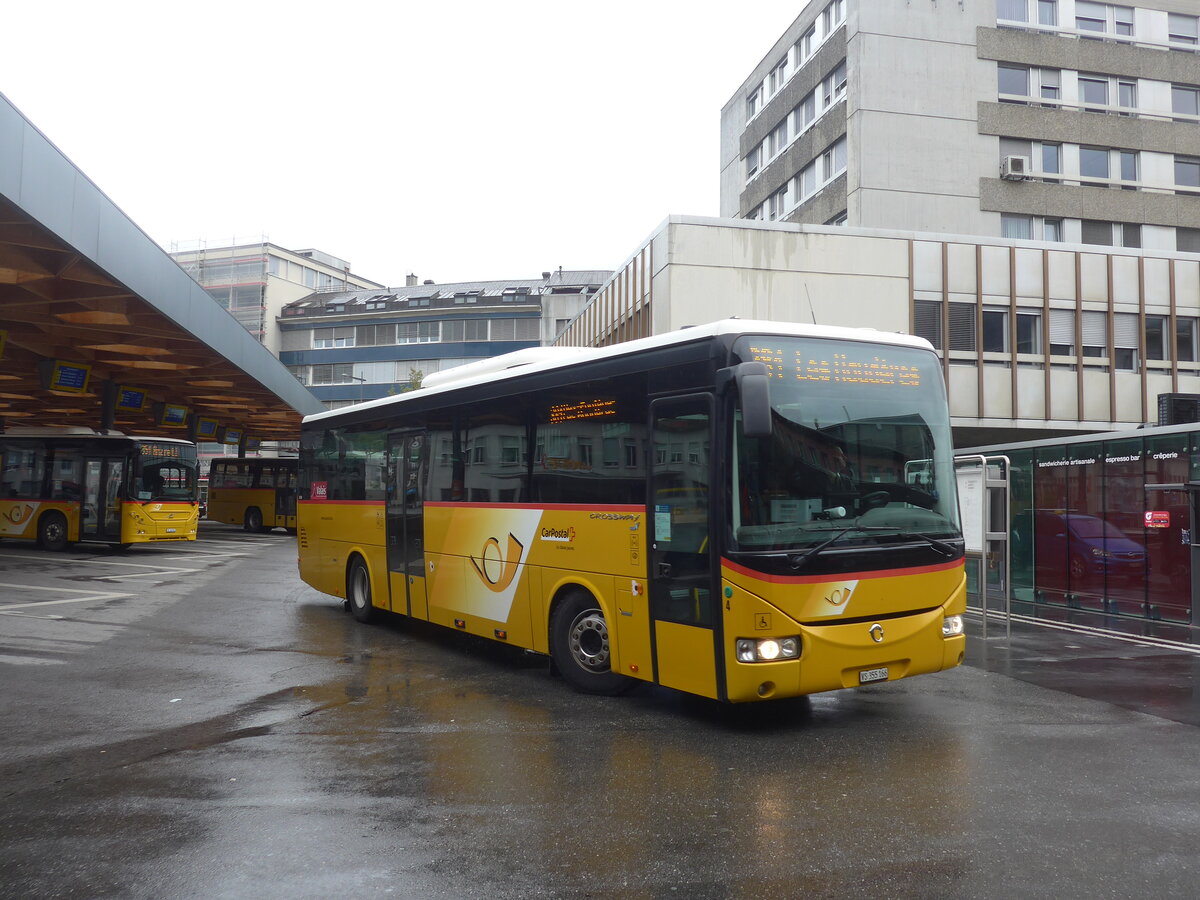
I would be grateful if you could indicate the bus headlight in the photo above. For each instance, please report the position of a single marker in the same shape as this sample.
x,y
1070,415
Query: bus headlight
x,y
753,650
952,625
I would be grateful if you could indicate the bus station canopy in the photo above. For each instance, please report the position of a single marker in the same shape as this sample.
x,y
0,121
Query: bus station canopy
x,y
90,305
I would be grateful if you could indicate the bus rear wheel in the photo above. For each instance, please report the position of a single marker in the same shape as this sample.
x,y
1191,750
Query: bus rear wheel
x,y
52,532
358,591
580,647
253,521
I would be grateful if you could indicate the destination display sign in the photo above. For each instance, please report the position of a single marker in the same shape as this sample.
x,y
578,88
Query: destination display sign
x,y
207,428
173,415
866,365
163,450
68,377
597,408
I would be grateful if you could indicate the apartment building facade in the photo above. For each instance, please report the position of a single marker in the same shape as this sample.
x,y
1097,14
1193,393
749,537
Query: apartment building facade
x,y
353,346
1057,120
256,280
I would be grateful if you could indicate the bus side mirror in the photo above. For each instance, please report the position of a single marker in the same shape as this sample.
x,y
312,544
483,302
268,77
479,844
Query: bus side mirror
x,y
753,382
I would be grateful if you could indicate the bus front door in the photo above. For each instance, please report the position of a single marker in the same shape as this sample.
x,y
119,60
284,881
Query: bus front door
x,y
683,578
100,512
407,458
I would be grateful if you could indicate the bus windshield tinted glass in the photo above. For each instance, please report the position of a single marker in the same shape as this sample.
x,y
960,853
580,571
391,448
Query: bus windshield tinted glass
x,y
167,471
860,443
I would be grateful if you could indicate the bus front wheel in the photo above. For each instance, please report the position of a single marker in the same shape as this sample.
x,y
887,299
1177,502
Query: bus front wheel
x,y
580,647
52,532
253,520
358,591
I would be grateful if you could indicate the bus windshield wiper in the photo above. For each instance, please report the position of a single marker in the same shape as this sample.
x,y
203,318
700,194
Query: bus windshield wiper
x,y
796,560
943,547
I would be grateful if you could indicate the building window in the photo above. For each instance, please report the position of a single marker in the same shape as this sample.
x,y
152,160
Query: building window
x,y
833,88
1047,12
1012,10
754,102
806,44
962,327
326,338
1093,93
778,76
777,204
1014,81
804,113
1017,227
1129,169
995,330
417,333
1029,332
1051,161
1185,100
1126,96
1125,341
1183,29
927,321
1187,239
1052,229
840,219
1156,337
1095,334
1103,18
1050,85
1112,234
1097,232
1187,175
834,15
753,161
1185,338
1093,162
1062,332
777,139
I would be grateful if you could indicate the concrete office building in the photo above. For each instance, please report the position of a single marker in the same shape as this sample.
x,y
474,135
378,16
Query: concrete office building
x,y
1036,339
255,280
351,346
1055,120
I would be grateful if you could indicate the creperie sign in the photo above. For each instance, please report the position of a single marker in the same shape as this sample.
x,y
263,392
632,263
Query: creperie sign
x,y
1158,519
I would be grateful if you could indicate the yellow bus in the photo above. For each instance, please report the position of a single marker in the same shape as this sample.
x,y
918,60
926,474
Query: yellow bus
x,y
743,510
59,486
259,493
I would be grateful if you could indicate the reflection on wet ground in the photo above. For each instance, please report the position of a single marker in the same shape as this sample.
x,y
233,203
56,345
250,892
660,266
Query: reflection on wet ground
x,y
1149,667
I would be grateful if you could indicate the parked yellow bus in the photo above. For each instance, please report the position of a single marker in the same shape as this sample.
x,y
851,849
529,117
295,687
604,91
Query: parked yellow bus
x,y
742,510
59,486
259,493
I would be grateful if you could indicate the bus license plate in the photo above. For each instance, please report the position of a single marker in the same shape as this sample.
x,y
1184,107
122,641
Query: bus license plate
x,y
866,676
170,531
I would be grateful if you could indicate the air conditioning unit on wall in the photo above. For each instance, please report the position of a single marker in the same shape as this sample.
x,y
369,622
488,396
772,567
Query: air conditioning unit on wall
x,y
1014,168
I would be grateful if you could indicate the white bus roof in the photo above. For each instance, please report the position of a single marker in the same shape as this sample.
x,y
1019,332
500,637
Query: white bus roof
x,y
541,359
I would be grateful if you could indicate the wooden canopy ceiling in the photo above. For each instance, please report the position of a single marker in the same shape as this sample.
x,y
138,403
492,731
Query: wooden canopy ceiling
x,y
57,305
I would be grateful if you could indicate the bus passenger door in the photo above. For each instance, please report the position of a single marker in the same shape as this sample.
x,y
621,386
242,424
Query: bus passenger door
x,y
285,497
100,512
407,461
683,578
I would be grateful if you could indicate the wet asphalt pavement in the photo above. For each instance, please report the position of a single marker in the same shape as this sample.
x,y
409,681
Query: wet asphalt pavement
x,y
199,723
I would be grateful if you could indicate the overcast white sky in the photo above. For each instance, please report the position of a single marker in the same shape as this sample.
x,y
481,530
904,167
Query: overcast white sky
x,y
455,140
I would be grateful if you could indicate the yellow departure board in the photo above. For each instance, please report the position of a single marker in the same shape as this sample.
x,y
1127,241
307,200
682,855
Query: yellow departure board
x,y
584,409
869,366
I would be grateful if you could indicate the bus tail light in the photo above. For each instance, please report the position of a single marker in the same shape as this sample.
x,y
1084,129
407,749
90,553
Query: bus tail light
x,y
755,650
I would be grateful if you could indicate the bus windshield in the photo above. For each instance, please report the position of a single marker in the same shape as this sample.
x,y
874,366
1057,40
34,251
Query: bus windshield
x,y
166,471
860,453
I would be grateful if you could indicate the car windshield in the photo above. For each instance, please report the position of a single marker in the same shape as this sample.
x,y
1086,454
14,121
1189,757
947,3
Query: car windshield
x,y
860,437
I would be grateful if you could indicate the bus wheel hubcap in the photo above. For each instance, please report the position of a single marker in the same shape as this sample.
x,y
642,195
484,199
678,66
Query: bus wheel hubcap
x,y
589,641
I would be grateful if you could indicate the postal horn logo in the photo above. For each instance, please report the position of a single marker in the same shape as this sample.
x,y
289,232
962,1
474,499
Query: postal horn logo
x,y
497,568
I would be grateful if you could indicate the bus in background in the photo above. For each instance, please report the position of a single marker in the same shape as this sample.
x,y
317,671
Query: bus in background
x,y
742,510
61,485
259,493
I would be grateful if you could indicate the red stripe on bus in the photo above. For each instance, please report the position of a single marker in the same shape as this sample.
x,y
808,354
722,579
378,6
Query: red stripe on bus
x,y
346,502
577,507
841,576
